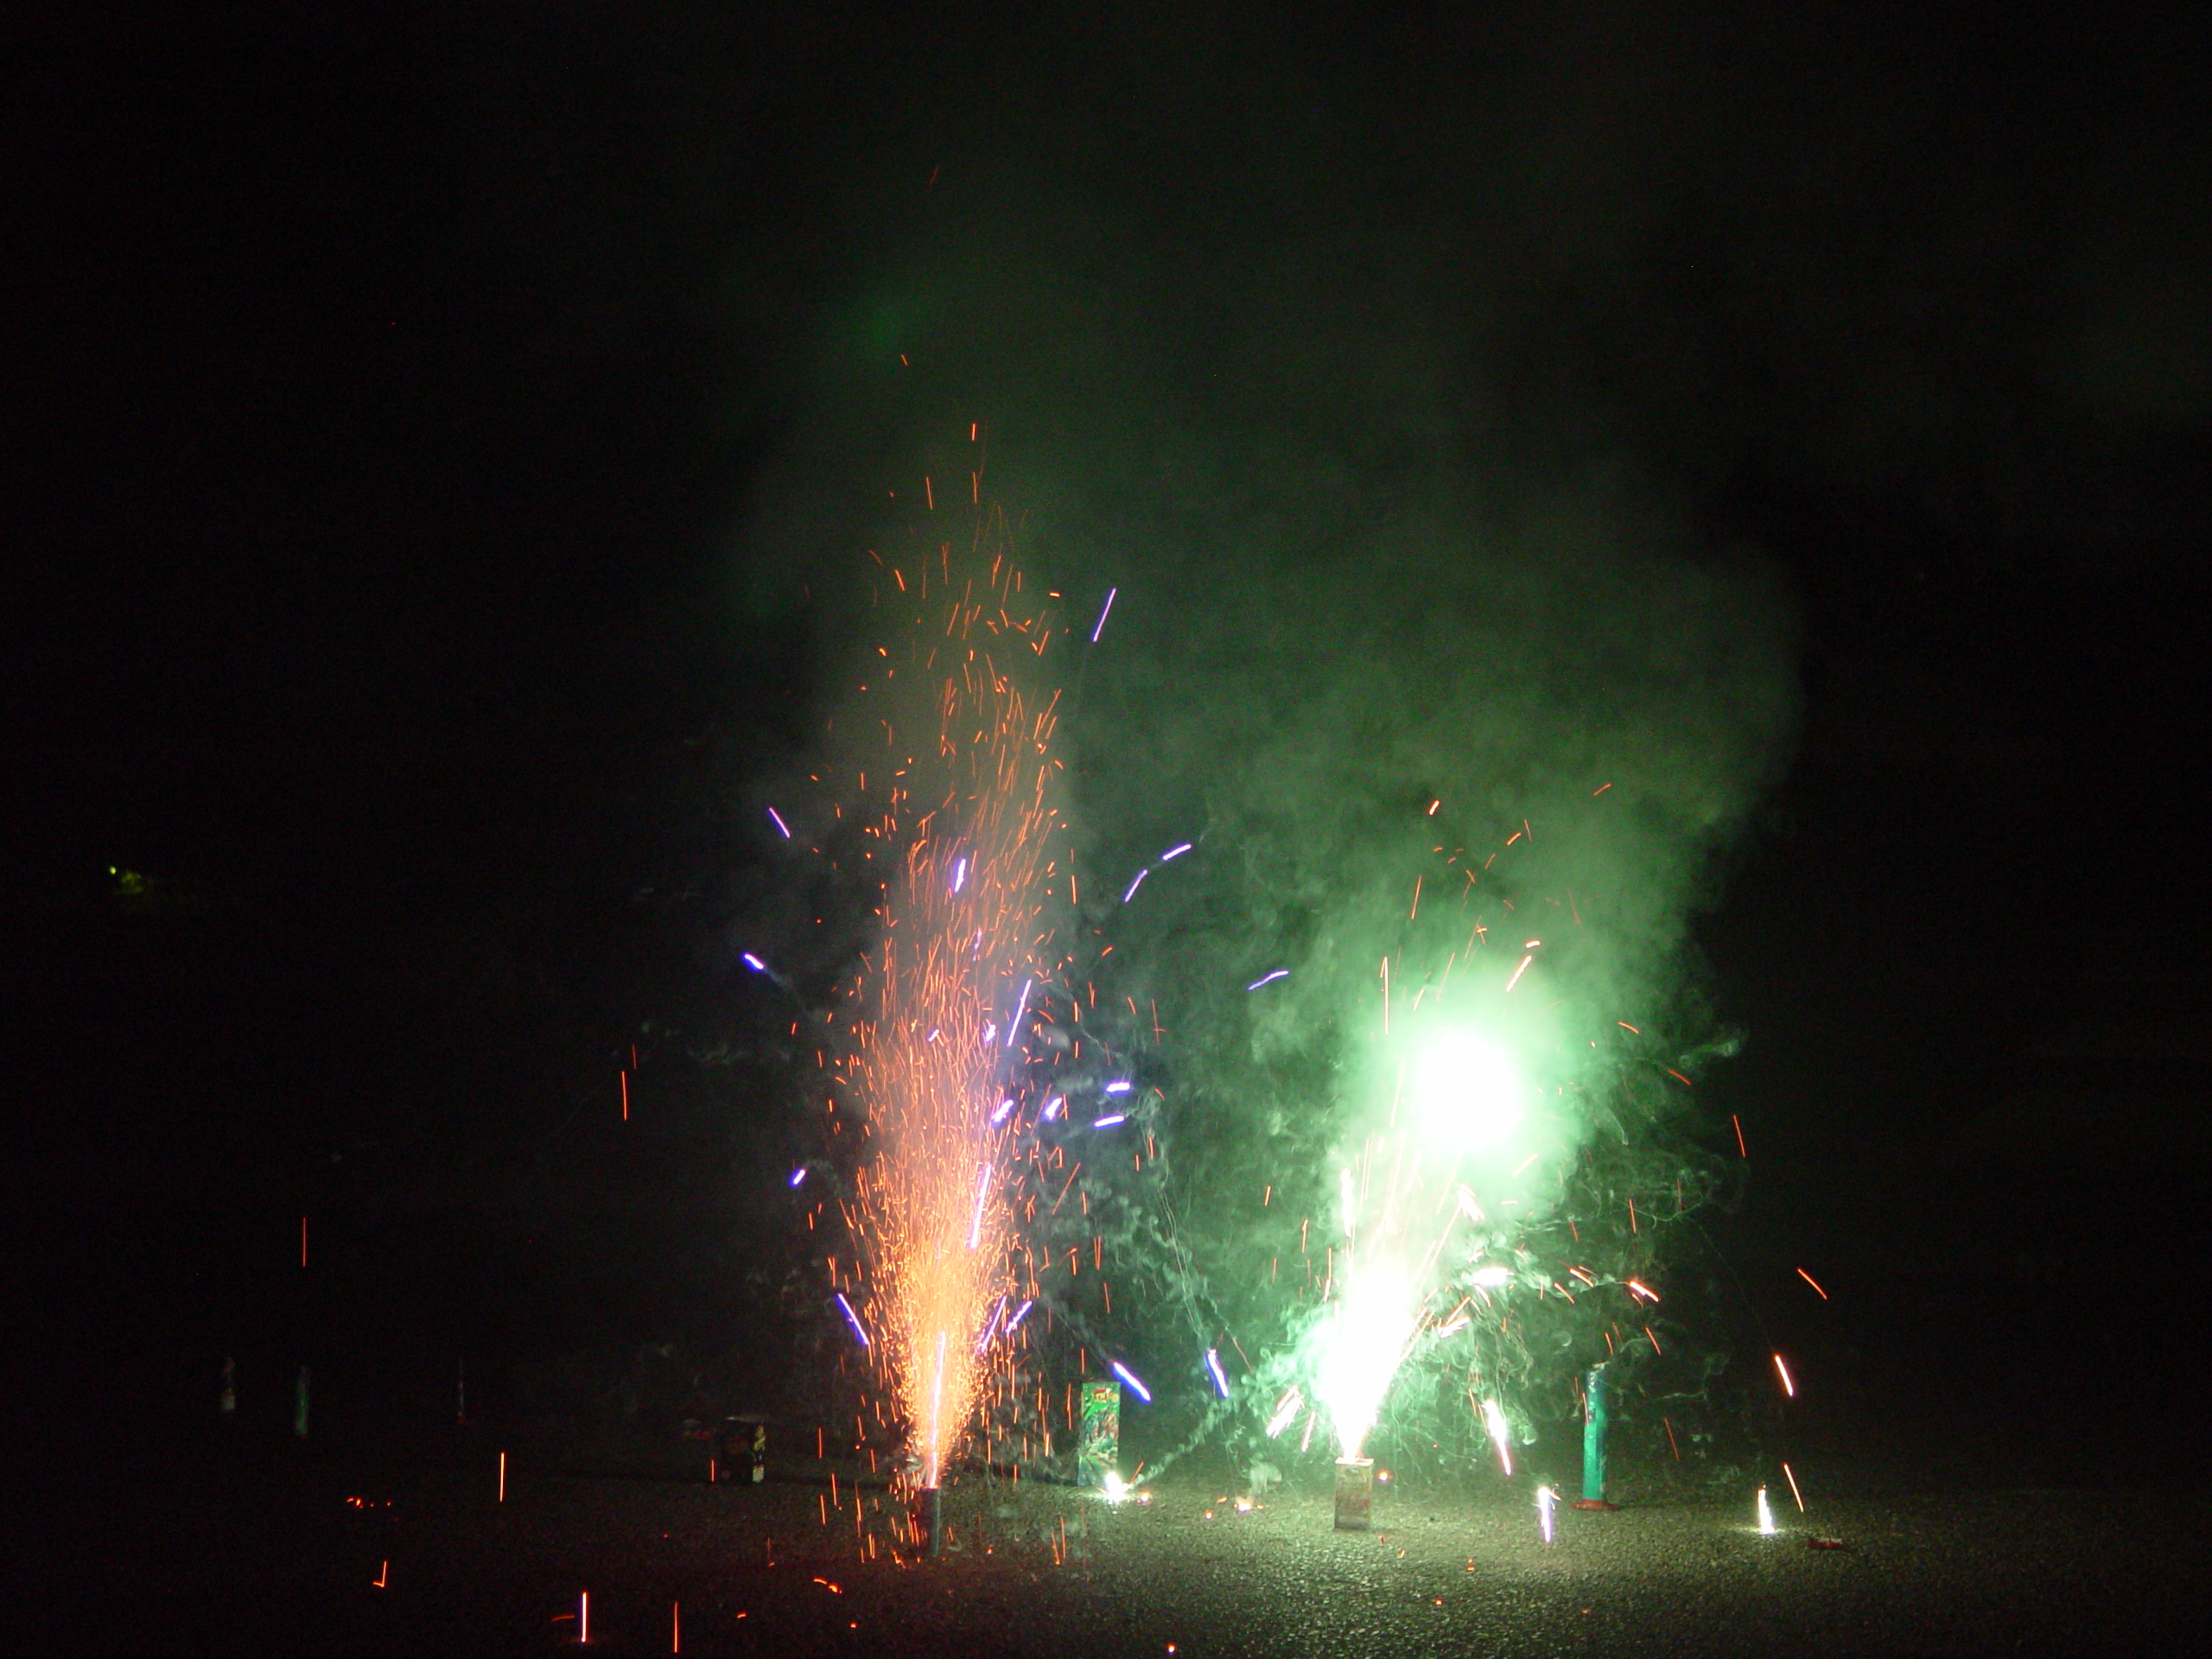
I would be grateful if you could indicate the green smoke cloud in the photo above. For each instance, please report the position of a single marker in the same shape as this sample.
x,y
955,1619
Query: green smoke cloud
x,y
1368,638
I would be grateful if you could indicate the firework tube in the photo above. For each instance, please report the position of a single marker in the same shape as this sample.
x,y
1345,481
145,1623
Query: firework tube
x,y
928,1516
1593,1438
1355,1493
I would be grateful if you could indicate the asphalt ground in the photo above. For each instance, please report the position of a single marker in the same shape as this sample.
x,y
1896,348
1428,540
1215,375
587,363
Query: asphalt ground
x,y
267,1548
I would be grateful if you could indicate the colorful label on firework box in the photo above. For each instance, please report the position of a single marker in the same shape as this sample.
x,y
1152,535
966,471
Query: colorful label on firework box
x,y
1098,1439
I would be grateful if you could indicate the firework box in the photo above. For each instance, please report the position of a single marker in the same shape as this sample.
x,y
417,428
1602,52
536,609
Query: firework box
x,y
1355,1493
745,1444
1098,1440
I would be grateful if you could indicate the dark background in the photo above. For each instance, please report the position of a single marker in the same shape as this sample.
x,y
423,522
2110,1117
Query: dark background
x,y
385,398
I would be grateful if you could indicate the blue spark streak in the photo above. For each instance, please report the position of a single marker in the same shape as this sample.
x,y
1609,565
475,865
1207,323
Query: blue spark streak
x,y
1130,1377
854,1320
1103,615
1135,884
1175,852
1108,1123
1213,1364
755,963
1279,973
780,824
1013,1025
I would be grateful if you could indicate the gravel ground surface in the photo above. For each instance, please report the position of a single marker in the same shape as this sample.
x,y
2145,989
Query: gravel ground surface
x,y
267,1548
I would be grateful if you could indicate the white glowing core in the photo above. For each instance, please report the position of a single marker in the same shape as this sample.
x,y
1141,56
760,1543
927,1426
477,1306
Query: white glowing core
x,y
1375,1310
1466,1093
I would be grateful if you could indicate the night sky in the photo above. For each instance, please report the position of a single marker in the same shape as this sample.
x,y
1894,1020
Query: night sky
x,y
427,435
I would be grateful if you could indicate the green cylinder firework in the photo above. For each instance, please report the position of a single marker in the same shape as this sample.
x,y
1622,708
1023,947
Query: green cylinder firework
x,y
1593,1438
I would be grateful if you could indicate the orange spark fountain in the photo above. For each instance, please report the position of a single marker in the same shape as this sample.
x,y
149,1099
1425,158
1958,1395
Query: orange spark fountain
x,y
964,948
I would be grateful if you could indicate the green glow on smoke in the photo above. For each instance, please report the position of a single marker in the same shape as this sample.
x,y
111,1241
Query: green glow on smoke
x,y
1453,1151
1468,1099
